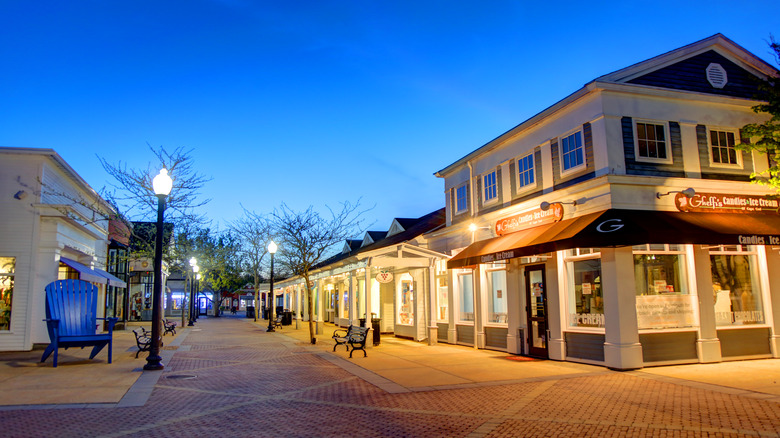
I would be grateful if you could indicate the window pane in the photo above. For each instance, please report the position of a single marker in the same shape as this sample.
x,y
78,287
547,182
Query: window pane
x,y
497,299
662,295
466,297
586,302
406,301
7,270
442,300
736,290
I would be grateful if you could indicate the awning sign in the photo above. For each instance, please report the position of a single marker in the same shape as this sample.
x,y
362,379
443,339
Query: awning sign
x,y
529,219
726,203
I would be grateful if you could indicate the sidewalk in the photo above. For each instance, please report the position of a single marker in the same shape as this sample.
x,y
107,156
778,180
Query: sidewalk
x,y
396,366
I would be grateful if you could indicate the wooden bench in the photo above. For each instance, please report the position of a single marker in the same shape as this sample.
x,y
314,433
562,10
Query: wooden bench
x,y
71,318
277,323
143,340
169,327
355,337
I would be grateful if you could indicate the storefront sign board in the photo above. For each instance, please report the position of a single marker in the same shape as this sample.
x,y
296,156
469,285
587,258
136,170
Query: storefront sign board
x,y
529,219
726,203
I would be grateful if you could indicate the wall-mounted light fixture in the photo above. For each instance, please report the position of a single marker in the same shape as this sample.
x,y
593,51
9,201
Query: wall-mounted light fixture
x,y
544,206
473,227
21,194
688,193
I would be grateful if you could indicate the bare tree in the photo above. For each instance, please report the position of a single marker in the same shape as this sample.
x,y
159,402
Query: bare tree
x,y
254,231
306,237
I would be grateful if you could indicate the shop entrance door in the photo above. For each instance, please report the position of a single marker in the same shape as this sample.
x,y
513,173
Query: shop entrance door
x,y
536,309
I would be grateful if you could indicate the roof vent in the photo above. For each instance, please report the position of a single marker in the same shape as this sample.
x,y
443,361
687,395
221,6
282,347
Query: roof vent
x,y
716,75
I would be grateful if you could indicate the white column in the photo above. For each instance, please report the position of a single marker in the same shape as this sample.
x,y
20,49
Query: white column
x,y
773,261
452,330
708,344
433,328
353,318
367,289
479,296
514,307
555,292
622,350
320,311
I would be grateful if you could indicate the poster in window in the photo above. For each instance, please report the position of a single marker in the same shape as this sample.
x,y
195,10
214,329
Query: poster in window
x,y
587,289
498,293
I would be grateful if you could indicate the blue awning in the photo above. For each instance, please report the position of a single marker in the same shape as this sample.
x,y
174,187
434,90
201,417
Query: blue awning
x,y
85,273
112,280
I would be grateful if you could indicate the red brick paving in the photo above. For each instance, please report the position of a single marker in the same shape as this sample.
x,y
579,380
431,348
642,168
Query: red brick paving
x,y
251,383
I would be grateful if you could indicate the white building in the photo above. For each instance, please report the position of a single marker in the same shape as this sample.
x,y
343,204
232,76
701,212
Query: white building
x,y
49,231
586,245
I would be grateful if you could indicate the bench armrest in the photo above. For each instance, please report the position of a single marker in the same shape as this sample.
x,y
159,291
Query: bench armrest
x,y
340,333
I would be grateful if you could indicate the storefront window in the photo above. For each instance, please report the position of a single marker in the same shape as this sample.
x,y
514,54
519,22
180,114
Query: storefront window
x,y
406,300
7,270
442,293
497,297
662,299
586,301
466,288
735,286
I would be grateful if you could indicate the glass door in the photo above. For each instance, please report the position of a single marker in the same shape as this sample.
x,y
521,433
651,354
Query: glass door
x,y
536,309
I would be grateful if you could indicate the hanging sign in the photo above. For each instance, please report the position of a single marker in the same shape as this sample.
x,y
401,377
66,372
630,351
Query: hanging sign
x,y
726,203
384,277
529,219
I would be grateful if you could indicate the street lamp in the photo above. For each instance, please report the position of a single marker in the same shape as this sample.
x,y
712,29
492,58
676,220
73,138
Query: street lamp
x,y
193,263
271,250
162,185
196,292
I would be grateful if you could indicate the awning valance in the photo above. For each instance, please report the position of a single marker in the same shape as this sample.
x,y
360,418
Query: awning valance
x,y
93,275
611,228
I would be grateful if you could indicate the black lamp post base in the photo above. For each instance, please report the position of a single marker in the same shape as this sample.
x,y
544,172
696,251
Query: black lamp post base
x,y
153,363
270,330
190,323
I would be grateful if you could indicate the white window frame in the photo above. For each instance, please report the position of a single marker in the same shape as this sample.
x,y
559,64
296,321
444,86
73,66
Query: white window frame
x,y
578,167
459,303
739,163
575,255
489,290
494,199
667,140
518,179
466,192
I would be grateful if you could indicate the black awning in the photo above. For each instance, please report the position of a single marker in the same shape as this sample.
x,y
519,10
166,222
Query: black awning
x,y
612,228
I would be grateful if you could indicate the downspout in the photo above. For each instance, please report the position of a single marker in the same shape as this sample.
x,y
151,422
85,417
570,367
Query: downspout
x,y
471,188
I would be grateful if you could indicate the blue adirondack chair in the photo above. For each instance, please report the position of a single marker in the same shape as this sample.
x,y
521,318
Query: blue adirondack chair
x,y
71,317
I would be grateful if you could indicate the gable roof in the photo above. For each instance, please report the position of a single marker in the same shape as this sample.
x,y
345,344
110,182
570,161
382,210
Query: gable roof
x,y
650,73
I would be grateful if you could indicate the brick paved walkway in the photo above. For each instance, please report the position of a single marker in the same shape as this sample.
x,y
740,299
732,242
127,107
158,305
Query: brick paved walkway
x,y
230,378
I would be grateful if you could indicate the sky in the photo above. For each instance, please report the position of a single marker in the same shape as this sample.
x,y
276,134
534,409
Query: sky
x,y
313,103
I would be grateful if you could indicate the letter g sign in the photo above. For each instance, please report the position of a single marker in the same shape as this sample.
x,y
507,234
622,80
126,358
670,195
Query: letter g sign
x,y
610,225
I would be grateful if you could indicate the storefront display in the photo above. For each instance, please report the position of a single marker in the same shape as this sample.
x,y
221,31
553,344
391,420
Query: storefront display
x,y
586,306
735,286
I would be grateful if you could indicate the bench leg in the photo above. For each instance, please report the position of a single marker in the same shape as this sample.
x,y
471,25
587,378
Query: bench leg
x,y
52,348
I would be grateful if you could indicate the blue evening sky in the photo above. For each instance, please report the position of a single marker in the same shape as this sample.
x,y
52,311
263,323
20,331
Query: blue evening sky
x,y
318,102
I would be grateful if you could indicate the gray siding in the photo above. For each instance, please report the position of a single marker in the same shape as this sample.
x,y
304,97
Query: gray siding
x,y
441,331
495,337
465,334
585,174
588,346
690,75
710,172
675,346
744,342
634,167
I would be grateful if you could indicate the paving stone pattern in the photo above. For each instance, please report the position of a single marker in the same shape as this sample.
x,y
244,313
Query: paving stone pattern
x,y
251,383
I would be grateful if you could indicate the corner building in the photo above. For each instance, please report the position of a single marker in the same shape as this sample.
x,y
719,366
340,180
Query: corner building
x,y
619,226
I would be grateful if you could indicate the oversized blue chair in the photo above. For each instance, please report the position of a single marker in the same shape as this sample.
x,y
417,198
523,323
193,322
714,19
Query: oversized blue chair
x,y
71,317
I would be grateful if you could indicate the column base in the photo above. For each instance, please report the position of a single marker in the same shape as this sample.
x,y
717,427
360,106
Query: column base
x,y
623,357
774,345
556,349
433,335
452,336
480,341
708,350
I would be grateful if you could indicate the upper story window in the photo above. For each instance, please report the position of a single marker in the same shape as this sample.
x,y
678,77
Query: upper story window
x,y
572,153
461,199
652,142
723,148
491,188
525,171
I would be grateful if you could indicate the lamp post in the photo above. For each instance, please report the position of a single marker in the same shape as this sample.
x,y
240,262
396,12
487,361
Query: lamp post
x,y
193,264
197,286
271,250
162,184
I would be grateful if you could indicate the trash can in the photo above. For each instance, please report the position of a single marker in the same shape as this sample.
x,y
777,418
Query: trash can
x,y
362,321
250,311
375,328
286,318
